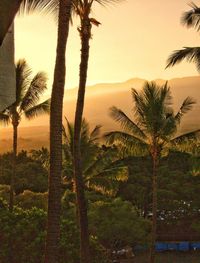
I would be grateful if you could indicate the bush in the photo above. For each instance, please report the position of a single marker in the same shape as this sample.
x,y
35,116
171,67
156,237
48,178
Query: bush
x,y
117,224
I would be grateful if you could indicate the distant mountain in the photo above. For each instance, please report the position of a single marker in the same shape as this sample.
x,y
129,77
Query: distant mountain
x,y
99,98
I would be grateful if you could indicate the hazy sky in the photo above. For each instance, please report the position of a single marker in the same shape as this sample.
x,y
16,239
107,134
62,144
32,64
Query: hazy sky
x,y
134,40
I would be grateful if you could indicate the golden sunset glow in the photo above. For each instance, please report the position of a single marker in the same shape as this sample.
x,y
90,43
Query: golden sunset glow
x,y
134,40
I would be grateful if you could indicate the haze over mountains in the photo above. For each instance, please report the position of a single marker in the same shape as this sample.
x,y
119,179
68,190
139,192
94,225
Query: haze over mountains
x,y
99,98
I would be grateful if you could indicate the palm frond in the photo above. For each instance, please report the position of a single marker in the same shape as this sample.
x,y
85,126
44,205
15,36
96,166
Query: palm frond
x,y
106,3
68,135
85,130
129,140
185,137
139,105
23,74
4,119
151,106
95,133
102,162
36,88
191,18
191,54
185,107
107,181
126,123
44,6
38,110
165,95
169,128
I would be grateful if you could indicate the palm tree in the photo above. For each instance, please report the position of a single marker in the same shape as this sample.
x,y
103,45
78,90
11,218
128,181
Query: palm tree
x,y
190,19
83,9
53,224
101,171
28,92
41,155
54,196
153,131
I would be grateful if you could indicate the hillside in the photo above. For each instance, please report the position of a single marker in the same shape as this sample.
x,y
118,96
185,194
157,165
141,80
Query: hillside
x,y
99,98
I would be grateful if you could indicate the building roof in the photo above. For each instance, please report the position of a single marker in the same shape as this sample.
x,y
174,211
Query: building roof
x,y
8,9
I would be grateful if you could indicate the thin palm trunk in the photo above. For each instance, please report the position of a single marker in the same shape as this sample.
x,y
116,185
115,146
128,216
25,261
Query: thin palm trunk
x,y
78,173
54,197
12,183
12,178
154,209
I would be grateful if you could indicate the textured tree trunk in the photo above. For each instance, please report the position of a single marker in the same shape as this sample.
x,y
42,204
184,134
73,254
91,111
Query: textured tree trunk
x,y
154,209
12,184
12,178
54,195
85,32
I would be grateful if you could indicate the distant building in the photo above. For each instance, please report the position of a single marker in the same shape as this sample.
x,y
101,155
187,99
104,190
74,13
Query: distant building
x,y
8,10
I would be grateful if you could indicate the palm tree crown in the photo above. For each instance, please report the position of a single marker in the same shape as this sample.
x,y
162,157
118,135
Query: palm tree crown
x,y
100,169
190,19
155,121
44,6
28,92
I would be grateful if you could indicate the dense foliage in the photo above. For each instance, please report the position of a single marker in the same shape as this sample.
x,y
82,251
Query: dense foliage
x,y
114,221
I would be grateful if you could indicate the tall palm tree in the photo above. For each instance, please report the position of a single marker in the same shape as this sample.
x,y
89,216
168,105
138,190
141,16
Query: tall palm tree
x,y
153,130
28,92
53,224
190,19
54,196
101,171
83,9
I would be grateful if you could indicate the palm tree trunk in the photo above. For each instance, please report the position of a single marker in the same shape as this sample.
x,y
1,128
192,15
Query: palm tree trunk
x,y
54,196
12,183
154,209
12,178
78,173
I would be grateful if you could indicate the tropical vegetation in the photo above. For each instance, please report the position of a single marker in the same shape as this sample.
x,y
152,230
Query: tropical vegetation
x,y
101,170
28,93
90,200
151,132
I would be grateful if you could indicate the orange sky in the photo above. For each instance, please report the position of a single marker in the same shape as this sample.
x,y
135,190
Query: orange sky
x,y
134,40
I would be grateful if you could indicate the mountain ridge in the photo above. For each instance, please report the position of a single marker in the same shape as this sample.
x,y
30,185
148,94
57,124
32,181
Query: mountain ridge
x,y
99,98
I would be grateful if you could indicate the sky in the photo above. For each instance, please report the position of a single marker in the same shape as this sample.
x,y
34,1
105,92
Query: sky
x,y
134,39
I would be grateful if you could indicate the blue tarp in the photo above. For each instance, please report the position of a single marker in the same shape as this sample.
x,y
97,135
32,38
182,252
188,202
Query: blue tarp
x,y
195,246
172,246
160,246
184,246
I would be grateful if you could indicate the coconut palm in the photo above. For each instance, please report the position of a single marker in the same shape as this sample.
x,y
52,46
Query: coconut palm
x,y
190,19
101,172
83,9
63,9
54,197
153,131
41,155
28,93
